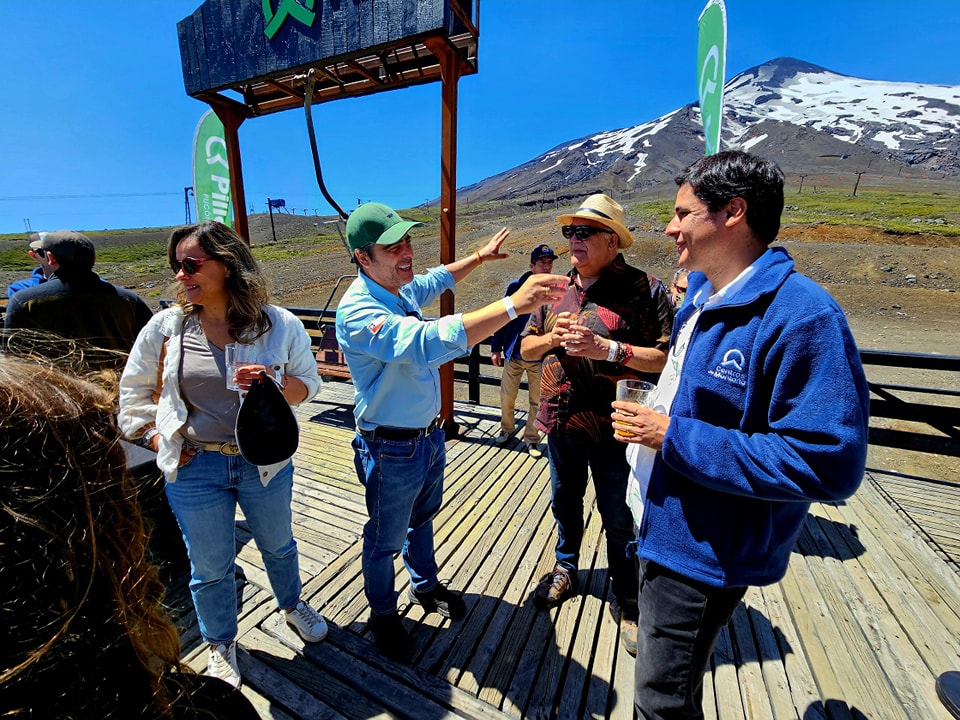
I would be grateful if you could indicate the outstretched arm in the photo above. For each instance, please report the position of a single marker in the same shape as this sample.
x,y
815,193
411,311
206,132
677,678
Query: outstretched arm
x,y
536,291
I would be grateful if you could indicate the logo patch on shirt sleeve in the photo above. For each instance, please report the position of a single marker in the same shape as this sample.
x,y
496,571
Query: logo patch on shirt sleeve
x,y
375,326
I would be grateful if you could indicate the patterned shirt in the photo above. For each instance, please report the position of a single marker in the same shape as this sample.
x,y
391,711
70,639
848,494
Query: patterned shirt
x,y
623,304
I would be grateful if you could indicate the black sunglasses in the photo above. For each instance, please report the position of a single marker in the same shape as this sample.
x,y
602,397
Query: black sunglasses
x,y
190,265
583,232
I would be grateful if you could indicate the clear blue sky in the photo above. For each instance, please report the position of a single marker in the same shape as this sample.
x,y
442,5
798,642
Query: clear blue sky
x,y
96,129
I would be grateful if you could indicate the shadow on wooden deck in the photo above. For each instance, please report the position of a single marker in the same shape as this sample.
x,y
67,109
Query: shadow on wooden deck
x,y
865,620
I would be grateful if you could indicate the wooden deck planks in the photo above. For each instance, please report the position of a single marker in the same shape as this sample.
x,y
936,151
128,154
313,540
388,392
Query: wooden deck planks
x,y
864,621
931,506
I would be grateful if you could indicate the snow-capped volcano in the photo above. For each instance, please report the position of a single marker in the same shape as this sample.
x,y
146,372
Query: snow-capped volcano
x,y
803,116
895,115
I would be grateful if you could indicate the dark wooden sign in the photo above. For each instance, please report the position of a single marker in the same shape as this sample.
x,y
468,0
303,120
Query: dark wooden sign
x,y
261,48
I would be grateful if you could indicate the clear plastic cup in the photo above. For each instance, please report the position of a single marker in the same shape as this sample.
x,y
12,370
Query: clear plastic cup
x,y
236,355
638,391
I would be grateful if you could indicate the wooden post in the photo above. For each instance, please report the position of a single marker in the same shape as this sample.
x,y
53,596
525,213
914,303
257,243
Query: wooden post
x,y
450,71
232,119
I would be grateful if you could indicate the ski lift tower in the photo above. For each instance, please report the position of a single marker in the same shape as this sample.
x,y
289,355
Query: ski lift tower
x,y
247,58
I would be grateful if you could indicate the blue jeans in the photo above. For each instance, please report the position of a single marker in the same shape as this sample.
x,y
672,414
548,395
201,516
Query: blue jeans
x,y
403,480
680,621
204,499
570,455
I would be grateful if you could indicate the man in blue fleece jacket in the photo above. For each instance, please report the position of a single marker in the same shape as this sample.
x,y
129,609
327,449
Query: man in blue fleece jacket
x,y
761,409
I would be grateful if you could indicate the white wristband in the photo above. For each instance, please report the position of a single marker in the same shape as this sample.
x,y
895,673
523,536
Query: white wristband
x,y
510,308
612,352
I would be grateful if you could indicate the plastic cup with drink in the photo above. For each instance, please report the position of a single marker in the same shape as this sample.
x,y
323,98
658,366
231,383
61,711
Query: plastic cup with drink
x,y
638,391
235,356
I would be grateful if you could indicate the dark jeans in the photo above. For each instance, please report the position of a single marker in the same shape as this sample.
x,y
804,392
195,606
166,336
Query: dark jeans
x,y
403,482
570,455
680,621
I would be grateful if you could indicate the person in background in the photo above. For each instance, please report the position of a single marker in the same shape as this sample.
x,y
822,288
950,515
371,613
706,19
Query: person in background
x,y
85,634
762,408
174,398
678,287
75,303
394,354
613,322
505,352
40,274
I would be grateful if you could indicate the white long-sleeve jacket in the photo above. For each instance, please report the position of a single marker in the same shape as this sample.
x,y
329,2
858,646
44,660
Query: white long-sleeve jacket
x,y
286,346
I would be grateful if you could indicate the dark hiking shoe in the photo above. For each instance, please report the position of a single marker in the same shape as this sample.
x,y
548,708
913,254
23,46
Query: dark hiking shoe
x,y
391,637
553,589
626,618
439,600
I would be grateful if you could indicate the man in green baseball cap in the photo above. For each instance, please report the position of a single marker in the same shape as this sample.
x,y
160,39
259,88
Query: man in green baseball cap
x,y
376,223
394,355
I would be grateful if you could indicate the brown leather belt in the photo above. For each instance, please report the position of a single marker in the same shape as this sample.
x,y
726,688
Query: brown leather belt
x,y
385,432
227,448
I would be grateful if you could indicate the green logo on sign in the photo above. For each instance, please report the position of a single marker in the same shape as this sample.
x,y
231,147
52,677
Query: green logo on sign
x,y
285,8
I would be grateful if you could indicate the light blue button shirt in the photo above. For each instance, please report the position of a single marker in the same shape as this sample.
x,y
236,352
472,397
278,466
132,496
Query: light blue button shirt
x,y
394,354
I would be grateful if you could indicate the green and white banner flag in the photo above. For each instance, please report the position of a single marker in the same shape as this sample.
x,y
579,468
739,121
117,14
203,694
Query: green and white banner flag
x,y
711,69
211,173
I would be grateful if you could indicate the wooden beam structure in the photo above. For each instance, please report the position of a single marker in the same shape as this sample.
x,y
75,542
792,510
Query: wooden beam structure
x,y
451,69
247,58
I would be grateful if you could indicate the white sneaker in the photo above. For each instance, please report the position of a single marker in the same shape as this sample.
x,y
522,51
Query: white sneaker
x,y
308,623
222,663
504,437
534,450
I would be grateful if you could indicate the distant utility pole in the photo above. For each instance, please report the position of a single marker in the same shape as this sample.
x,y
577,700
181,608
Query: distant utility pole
x,y
801,184
857,184
273,230
26,224
186,202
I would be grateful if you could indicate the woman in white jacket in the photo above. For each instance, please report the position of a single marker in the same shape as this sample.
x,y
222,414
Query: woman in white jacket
x,y
174,397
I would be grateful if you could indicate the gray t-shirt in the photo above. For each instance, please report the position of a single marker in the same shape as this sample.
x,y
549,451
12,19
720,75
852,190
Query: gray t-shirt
x,y
211,408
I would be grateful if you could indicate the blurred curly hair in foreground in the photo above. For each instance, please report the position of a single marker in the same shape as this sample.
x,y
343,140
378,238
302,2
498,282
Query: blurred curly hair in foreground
x,y
86,635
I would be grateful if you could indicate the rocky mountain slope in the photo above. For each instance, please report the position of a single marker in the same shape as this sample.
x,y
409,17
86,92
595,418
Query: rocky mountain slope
x,y
809,119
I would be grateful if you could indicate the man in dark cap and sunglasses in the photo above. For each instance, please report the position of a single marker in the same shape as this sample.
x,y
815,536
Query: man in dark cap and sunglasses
x,y
505,353
75,303
613,322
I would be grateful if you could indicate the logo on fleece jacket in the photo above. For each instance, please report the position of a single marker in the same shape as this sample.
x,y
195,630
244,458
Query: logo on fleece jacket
x,y
731,368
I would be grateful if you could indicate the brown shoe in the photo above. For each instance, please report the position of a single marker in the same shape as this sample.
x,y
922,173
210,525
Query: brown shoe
x,y
627,619
554,588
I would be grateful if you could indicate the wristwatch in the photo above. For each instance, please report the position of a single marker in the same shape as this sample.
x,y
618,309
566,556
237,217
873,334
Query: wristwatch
x,y
276,376
149,434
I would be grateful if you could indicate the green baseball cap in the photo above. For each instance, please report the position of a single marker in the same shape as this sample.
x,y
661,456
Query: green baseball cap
x,y
374,222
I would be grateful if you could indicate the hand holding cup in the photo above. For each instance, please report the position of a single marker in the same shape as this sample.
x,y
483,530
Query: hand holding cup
x,y
633,420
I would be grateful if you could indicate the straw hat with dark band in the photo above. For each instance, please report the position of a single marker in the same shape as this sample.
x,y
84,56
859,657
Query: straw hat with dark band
x,y
606,211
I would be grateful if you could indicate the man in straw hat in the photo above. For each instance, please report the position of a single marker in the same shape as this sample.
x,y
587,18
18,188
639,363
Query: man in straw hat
x,y
762,409
394,354
613,322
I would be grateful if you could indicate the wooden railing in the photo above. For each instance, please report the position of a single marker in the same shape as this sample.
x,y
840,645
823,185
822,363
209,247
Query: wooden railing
x,y
933,412
920,418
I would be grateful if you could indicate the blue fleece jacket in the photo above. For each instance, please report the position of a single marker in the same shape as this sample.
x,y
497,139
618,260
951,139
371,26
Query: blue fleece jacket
x,y
771,414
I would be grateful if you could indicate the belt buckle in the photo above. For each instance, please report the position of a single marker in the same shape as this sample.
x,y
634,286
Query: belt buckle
x,y
229,448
